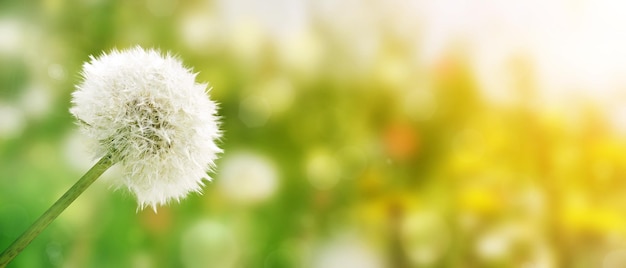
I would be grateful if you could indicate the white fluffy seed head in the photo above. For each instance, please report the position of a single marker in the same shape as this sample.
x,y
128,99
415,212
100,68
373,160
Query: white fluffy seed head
x,y
147,111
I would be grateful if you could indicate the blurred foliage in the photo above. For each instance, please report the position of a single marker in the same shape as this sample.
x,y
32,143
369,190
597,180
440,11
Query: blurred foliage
x,y
342,148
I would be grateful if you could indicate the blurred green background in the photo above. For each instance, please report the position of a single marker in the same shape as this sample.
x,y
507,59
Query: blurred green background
x,y
356,134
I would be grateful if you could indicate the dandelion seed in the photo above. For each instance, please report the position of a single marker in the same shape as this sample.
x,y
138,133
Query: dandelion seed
x,y
146,110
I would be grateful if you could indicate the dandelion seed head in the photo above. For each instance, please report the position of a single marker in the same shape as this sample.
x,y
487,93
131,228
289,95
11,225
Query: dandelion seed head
x,y
148,112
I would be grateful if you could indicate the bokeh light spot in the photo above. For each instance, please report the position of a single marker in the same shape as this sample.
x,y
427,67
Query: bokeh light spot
x,y
56,72
322,170
12,32
344,252
209,244
247,177
401,141
254,111
13,122
426,237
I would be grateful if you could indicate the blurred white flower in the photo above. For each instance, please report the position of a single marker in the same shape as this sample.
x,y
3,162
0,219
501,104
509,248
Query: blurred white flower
x,y
13,121
200,31
247,177
13,35
147,111
347,251
425,236
36,101
209,243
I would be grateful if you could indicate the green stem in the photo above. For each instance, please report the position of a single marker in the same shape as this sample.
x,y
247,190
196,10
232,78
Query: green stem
x,y
44,220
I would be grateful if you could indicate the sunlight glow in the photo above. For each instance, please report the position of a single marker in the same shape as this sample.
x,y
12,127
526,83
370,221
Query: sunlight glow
x,y
575,49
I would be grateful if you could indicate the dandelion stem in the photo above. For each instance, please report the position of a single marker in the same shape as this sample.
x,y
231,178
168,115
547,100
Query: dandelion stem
x,y
44,220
